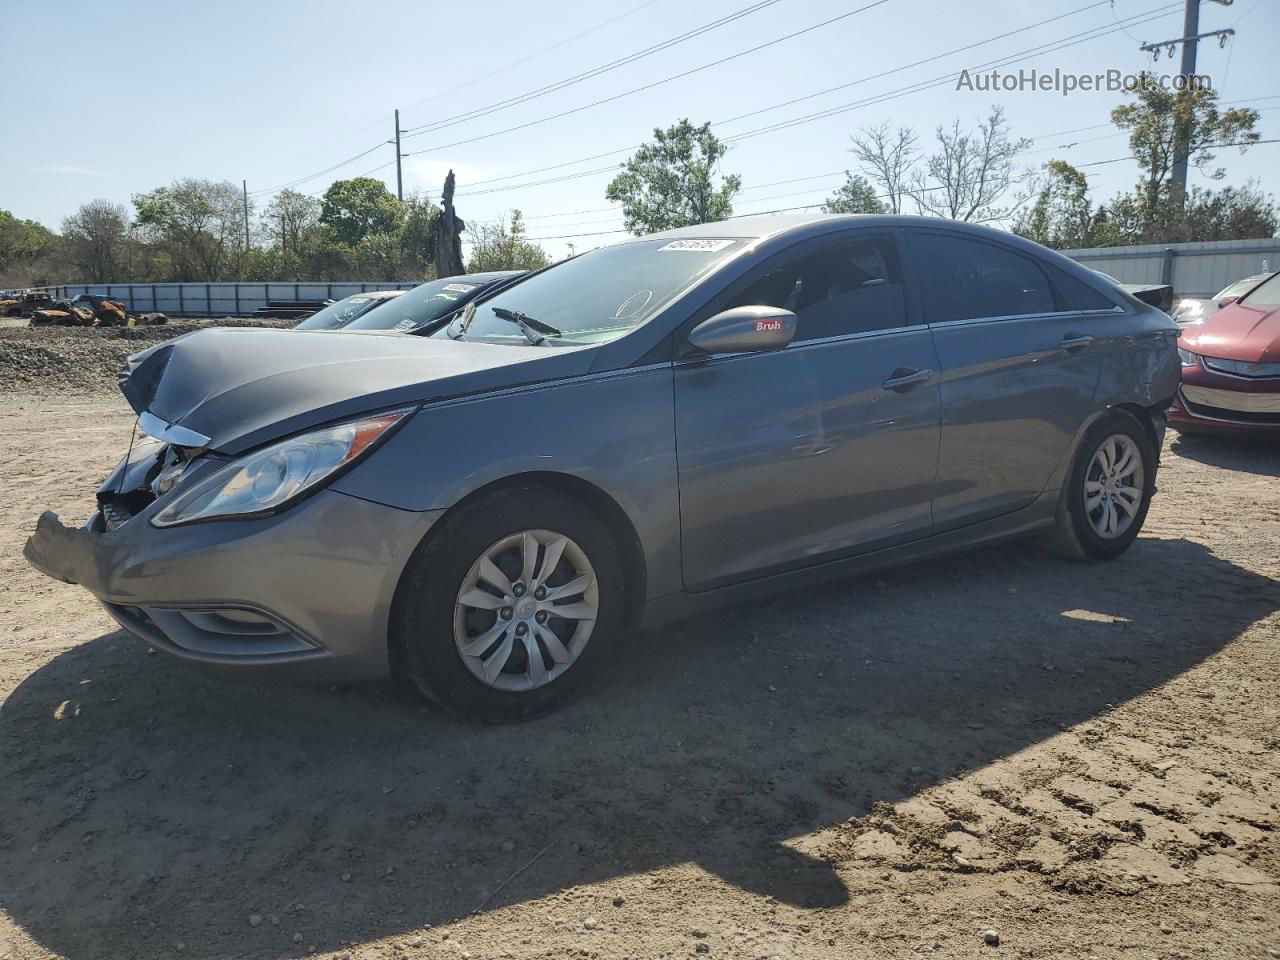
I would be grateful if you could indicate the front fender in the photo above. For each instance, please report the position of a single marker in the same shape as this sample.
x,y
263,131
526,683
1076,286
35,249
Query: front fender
x,y
614,431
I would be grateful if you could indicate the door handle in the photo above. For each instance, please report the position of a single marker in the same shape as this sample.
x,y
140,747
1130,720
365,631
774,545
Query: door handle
x,y
904,378
1073,342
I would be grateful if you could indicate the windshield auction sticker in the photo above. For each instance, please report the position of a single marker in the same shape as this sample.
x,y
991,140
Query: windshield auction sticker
x,y
698,246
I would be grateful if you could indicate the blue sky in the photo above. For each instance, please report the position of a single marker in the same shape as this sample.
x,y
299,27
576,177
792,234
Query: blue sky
x,y
274,92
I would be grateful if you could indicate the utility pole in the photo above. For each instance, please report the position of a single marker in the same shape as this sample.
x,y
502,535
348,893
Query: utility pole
x,y
244,187
399,177
1189,40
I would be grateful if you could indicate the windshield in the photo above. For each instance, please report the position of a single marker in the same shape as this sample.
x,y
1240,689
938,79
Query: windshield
x,y
1238,288
1266,295
421,306
600,295
339,314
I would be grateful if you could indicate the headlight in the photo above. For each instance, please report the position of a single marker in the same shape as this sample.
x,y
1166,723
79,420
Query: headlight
x,y
273,476
1188,358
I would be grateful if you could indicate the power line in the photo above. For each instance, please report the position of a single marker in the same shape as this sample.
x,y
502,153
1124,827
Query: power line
x,y
920,86
917,63
301,180
1049,47
652,84
939,56
515,63
474,80
594,71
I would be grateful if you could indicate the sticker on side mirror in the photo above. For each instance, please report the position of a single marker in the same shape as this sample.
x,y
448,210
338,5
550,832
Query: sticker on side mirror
x,y
769,326
698,246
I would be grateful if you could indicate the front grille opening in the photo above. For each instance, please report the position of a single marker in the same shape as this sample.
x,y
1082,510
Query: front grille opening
x,y
1239,416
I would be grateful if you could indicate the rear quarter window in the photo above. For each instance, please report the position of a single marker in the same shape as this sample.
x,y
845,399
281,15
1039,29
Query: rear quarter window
x,y
1074,294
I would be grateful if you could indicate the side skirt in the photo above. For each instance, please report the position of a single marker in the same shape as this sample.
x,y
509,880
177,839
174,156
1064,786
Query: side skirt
x,y
1029,520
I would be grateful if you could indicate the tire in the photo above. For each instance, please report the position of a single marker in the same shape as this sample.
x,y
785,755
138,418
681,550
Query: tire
x,y
431,626
1077,532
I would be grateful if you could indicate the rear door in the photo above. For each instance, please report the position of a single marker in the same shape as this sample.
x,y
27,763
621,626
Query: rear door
x,y
1020,363
823,449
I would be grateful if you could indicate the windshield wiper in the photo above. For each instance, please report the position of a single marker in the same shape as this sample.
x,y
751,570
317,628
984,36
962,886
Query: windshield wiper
x,y
531,328
462,320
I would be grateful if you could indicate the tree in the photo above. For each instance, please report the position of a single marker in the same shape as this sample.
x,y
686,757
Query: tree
x,y
971,173
288,217
96,238
417,256
24,244
855,195
1062,215
1232,213
500,246
671,182
1154,120
887,157
445,235
355,208
197,226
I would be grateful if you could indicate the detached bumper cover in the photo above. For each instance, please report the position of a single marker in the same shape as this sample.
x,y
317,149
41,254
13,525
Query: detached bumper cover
x,y
303,595
63,552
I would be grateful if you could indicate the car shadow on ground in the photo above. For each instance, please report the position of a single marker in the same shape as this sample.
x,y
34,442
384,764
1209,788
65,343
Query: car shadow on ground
x,y
144,806
1247,454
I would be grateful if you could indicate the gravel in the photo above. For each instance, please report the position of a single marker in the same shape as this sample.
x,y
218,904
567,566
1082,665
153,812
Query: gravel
x,y
85,359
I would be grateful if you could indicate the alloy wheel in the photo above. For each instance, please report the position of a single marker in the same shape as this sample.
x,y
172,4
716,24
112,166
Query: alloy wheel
x,y
525,610
1113,486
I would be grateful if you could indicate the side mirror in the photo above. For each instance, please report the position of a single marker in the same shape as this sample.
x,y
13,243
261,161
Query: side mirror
x,y
745,330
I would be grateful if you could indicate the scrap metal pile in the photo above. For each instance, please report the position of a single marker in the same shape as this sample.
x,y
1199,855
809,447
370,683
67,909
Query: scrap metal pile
x,y
86,310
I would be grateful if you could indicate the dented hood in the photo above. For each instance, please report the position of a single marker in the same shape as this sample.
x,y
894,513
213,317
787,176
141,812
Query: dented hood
x,y
244,387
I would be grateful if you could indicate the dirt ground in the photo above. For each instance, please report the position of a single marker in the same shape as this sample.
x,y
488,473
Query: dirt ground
x,y
1084,759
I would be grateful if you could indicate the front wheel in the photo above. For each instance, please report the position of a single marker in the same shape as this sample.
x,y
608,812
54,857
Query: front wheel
x,y
506,610
1108,490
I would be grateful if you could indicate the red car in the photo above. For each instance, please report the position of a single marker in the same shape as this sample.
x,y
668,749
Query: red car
x,y
1231,367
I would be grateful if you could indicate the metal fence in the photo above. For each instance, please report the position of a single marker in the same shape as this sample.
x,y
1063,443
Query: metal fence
x,y
1192,269
215,299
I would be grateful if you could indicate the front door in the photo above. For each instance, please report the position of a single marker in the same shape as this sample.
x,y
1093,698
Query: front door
x,y
826,448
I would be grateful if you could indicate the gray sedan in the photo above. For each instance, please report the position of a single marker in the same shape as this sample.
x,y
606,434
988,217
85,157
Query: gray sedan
x,y
673,423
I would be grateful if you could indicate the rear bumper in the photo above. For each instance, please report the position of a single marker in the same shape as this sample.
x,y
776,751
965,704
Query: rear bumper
x,y
303,596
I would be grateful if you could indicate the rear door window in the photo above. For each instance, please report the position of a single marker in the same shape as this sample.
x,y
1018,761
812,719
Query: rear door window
x,y
965,279
850,285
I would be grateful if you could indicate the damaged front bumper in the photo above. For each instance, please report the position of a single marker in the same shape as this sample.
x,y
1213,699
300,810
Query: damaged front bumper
x,y
304,595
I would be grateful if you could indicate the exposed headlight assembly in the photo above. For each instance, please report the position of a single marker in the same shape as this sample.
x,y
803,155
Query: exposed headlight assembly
x,y
1188,358
274,476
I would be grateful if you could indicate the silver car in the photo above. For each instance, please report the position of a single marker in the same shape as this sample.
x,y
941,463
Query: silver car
x,y
658,427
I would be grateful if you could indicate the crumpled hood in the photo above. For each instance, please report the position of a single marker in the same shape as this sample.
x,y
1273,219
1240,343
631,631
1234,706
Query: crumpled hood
x,y
1237,332
242,387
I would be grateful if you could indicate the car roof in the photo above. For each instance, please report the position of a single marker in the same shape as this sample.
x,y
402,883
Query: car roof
x,y
488,277
760,227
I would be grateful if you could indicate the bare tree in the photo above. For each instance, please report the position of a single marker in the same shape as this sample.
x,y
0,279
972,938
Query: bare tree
x,y
96,236
289,215
887,156
971,173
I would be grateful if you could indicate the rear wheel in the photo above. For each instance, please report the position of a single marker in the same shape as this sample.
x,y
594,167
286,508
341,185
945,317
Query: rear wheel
x,y
1108,490
507,609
